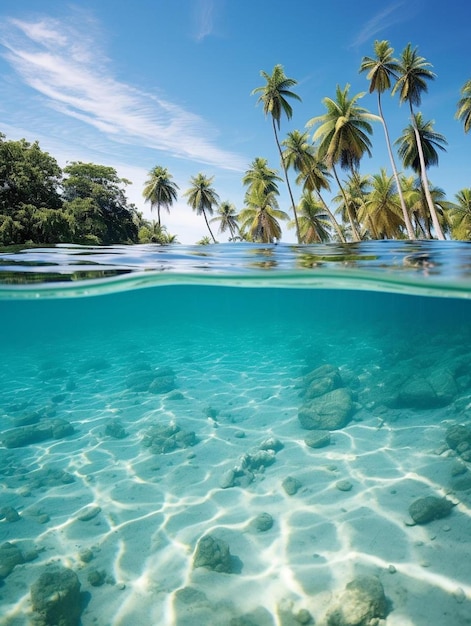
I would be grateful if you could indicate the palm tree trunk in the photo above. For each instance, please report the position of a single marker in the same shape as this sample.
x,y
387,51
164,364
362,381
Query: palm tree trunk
x,y
207,224
355,234
423,175
405,213
287,180
335,224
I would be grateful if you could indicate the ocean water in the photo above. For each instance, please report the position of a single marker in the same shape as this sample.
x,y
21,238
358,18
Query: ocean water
x,y
232,434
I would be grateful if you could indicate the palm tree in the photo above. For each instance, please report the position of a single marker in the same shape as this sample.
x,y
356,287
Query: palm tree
x,y
274,97
417,160
343,135
313,220
464,106
259,219
355,190
381,212
381,70
227,218
261,178
301,155
159,189
412,82
461,215
202,197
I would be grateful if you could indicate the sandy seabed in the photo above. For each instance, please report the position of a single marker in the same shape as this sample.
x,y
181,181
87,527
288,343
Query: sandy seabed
x,y
145,512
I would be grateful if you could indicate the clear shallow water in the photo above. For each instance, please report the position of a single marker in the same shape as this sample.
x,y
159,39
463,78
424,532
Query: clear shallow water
x,y
237,364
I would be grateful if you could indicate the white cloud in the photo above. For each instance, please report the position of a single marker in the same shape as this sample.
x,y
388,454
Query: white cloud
x,y
55,60
391,14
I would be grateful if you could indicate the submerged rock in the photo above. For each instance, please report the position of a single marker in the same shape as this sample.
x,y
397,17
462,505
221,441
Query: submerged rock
x,y
262,523
321,380
331,411
425,510
161,380
55,597
163,438
36,433
115,429
362,602
318,439
291,485
214,554
10,556
458,434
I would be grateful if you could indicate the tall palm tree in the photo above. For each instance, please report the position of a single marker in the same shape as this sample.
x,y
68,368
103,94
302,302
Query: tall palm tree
x,y
301,155
464,106
227,218
381,212
202,197
274,97
381,70
259,219
422,159
343,135
159,189
313,220
355,191
461,215
412,82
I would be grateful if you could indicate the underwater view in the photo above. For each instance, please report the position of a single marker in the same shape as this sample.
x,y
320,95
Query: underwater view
x,y
236,435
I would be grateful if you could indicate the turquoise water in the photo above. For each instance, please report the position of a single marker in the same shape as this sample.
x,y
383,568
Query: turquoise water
x,y
151,396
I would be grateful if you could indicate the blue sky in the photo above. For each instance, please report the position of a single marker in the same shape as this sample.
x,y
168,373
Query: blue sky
x,y
168,82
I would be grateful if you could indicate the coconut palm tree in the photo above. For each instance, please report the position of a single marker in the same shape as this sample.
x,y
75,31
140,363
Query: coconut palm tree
x,y
464,106
159,189
227,218
418,160
202,197
259,219
261,178
302,156
314,223
274,96
460,215
412,82
343,136
355,191
381,212
382,69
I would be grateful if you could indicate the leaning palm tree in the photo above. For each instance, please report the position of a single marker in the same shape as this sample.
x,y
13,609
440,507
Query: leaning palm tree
x,y
202,197
381,70
460,215
381,212
259,219
227,218
419,160
302,156
314,223
412,82
274,97
159,189
343,135
464,106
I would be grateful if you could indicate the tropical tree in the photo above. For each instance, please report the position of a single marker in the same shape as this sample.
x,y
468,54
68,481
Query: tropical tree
x,y
343,136
412,82
202,198
153,232
464,106
355,190
314,223
160,190
381,213
274,96
460,215
260,178
93,194
382,69
259,219
227,218
429,141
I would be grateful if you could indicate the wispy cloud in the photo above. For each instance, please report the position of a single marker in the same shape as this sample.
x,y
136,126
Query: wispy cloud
x,y
390,15
204,17
65,65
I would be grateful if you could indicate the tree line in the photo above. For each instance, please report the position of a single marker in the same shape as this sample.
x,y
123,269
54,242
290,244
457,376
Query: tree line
x,y
86,203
